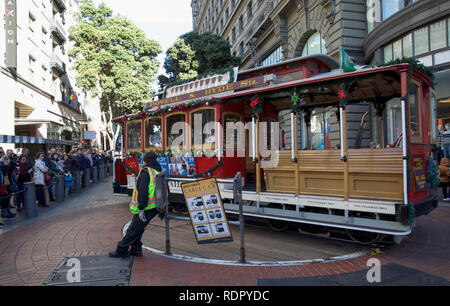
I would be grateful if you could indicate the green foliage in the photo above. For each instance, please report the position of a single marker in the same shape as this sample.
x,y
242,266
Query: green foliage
x,y
196,54
113,59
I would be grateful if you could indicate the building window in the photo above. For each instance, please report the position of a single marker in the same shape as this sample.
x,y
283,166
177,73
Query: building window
x,y
233,35
390,7
241,23
241,49
314,45
432,37
370,5
421,41
249,10
407,45
397,49
387,53
275,57
437,35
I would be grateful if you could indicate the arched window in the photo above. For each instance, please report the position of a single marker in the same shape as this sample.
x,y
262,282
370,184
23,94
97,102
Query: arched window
x,y
314,45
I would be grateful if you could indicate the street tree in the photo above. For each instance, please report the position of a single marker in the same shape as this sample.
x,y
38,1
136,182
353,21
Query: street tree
x,y
114,61
211,52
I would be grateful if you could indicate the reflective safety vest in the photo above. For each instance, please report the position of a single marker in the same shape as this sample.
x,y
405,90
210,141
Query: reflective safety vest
x,y
134,205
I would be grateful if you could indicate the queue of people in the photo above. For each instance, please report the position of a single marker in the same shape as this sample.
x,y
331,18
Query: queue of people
x,y
16,170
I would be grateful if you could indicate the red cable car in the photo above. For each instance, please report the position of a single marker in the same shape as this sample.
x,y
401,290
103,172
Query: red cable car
x,y
316,146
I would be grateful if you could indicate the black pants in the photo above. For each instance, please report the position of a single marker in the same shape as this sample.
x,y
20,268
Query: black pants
x,y
134,233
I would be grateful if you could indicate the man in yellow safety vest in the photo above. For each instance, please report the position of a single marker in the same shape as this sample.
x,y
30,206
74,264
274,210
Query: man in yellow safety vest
x,y
142,206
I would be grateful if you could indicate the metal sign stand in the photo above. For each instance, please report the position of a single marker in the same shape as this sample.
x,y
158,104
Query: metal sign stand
x,y
237,193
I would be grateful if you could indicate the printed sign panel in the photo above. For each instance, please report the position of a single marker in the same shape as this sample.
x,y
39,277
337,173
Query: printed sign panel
x,y
183,165
206,211
420,180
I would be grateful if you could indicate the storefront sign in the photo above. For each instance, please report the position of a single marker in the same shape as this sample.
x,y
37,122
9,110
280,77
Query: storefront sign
x,y
209,91
89,135
206,211
420,180
11,33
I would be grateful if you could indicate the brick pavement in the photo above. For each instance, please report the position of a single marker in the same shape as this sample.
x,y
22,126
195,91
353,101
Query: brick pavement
x,y
29,252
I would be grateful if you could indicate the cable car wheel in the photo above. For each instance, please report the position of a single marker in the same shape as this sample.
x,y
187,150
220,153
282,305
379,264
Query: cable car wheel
x,y
274,224
364,237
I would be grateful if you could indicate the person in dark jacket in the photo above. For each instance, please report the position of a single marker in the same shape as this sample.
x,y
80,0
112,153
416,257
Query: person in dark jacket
x,y
24,176
52,172
136,229
4,194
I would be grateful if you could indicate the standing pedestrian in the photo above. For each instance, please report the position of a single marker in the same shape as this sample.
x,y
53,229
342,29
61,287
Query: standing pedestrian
x,y
4,194
142,206
40,169
25,176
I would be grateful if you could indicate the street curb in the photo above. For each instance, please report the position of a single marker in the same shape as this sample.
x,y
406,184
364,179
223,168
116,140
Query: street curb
x,y
249,263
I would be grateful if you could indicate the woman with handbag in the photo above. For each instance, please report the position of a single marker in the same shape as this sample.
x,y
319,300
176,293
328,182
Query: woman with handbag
x,y
40,172
4,194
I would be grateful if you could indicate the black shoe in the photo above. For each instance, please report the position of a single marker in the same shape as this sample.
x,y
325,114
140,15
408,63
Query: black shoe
x,y
2,225
43,205
8,216
115,254
52,200
135,253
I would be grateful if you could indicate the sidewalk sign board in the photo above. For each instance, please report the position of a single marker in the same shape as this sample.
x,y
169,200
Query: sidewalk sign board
x,y
206,211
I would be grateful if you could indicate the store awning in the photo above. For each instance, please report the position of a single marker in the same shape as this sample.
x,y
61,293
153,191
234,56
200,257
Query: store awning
x,y
33,140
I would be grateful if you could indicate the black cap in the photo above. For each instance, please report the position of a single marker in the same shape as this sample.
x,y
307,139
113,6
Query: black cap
x,y
149,157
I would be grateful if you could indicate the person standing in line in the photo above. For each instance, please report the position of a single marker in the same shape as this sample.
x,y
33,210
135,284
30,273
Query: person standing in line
x,y
25,176
4,183
444,173
142,206
39,178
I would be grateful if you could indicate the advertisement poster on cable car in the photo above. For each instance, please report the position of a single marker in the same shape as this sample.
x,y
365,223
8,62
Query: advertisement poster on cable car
x,y
182,165
206,211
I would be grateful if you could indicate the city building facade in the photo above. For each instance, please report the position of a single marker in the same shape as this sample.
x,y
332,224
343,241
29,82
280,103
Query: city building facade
x,y
40,97
372,32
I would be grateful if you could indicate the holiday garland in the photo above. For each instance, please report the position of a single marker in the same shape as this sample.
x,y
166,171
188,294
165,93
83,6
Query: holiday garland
x,y
256,104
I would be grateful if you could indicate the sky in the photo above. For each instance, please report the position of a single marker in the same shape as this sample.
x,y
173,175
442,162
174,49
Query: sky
x,y
161,20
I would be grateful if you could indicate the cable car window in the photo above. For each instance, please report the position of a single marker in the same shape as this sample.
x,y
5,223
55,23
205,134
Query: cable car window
x,y
175,125
320,130
203,117
134,135
394,121
414,110
233,139
153,135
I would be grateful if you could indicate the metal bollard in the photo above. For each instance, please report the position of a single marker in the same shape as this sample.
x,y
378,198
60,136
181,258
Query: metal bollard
x,y
59,188
76,182
30,200
86,177
100,172
94,174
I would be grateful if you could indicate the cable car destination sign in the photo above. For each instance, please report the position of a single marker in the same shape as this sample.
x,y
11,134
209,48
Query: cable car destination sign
x,y
260,80
206,211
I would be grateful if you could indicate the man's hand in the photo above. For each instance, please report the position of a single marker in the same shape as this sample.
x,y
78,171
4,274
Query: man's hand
x,y
142,216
